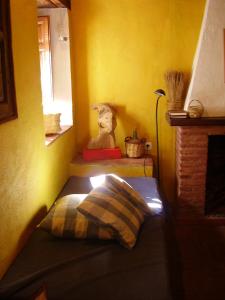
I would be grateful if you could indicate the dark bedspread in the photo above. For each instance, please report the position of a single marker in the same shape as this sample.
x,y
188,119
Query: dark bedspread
x,y
103,270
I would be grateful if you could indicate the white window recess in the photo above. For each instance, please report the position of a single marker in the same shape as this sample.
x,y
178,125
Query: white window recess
x,y
54,49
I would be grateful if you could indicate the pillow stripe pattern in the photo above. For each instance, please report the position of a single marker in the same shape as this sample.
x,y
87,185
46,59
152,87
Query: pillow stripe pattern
x,y
119,185
116,204
104,206
59,217
117,201
65,221
111,210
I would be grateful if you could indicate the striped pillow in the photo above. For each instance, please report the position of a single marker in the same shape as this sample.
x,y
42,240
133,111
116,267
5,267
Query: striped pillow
x,y
64,220
118,185
104,206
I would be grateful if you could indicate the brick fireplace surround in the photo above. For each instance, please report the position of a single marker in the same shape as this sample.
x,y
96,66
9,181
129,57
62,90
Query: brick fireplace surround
x,y
191,167
191,163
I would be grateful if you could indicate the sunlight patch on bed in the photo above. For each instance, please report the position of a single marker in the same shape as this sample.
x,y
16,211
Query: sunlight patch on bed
x,y
155,203
96,181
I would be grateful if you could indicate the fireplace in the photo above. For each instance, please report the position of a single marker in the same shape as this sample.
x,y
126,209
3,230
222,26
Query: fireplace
x,y
215,177
200,178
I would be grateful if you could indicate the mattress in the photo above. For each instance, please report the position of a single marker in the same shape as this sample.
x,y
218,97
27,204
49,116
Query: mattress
x,y
94,269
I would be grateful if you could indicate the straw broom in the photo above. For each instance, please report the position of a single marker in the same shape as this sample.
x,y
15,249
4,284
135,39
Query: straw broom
x,y
175,85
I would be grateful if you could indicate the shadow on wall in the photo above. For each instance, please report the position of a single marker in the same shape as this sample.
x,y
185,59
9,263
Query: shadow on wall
x,y
187,79
128,123
31,227
80,72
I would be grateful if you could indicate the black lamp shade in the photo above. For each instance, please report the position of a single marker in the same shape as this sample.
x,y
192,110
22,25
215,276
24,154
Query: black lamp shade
x,y
160,92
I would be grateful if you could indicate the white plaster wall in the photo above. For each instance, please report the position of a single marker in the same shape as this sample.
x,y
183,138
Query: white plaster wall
x,y
61,69
208,78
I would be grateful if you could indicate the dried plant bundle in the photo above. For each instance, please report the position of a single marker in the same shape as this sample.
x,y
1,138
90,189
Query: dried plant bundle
x,y
175,85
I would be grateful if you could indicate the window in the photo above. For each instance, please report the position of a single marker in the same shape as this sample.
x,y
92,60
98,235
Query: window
x,y
45,60
54,50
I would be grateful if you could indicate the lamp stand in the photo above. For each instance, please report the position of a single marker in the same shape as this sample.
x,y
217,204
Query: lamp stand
x,y
160,93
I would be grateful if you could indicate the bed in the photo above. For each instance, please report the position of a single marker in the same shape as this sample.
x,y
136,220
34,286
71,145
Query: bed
x,y
95,269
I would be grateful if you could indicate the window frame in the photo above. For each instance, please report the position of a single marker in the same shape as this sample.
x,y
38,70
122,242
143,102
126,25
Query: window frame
x,y
45,22
8,107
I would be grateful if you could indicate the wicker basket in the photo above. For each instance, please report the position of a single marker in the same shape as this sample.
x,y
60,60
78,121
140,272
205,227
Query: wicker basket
x,y
52,123
195,109
135,148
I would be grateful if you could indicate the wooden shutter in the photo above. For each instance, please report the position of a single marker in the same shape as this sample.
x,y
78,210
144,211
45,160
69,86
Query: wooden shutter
x,y
43,33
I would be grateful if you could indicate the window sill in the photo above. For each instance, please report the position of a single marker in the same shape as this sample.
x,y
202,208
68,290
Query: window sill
x,y
49,139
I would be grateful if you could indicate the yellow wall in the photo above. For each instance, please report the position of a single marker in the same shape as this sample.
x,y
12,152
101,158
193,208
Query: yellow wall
x,y
121,49
31,174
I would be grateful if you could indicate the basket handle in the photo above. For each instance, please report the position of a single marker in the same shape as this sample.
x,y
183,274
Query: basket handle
x,y
196,100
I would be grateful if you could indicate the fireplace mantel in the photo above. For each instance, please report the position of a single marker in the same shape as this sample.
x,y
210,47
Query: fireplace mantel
x,y
204,121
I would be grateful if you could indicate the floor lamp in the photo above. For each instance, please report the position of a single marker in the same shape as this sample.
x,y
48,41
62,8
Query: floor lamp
x,y
160,93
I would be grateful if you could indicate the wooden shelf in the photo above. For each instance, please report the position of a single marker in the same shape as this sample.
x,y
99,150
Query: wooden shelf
x,y
128,167
204,121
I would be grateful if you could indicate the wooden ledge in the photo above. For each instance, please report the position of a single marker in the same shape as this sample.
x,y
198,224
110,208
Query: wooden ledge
x,y
127,167
123,161
49,139
204,121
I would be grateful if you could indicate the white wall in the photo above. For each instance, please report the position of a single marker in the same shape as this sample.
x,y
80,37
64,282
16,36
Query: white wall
x,y
208,78
59,29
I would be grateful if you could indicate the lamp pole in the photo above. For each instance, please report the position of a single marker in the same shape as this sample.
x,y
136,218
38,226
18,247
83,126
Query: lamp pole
x,y
160,93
